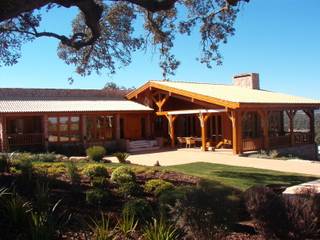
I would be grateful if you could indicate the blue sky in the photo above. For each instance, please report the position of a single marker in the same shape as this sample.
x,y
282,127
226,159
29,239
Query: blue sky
x,y
278,39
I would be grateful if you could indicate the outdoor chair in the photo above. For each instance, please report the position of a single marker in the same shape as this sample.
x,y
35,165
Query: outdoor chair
x,y
181,141
190,142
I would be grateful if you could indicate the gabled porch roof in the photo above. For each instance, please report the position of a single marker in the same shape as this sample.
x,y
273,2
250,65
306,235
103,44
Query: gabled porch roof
x,y
228,95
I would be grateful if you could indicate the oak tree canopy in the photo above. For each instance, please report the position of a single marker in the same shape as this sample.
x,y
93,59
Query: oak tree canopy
x,y
105,33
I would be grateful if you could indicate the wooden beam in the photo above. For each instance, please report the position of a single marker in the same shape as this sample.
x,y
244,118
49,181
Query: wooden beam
x,y
236,120
160,101
310,114
264,115
291,113
171,120
203,124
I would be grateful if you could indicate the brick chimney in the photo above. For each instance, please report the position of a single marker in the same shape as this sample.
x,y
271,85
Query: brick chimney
x,y
247,80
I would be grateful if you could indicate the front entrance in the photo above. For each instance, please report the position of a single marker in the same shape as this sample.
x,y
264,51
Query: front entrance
x,y
25,133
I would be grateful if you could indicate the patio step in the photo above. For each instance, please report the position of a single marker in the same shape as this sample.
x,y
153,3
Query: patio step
x,y
142,145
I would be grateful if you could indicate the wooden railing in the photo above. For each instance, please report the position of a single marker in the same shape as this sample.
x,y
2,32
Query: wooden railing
x,y
25,139
280,141
252,144
302,138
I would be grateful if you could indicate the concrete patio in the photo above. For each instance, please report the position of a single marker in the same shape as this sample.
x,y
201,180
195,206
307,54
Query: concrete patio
x,y
223,156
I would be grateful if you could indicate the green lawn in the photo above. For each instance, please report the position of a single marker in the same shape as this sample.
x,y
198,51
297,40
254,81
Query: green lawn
x,y
240,177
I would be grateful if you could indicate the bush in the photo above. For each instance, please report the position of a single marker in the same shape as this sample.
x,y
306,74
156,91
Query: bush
x,y
44,157
130,189
96,153
73,173
160,230
206,211
281,217
139,208
23,162
4,163
157,186
123,175
268,210
95,170
122,157
97,196
99,182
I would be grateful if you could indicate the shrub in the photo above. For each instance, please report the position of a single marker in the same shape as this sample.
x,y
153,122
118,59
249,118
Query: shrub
x,y
23,162
73,173
97,196
129,189
99,182
4,163
268,210
96,153
127,225
157,186
95,170
122,157
44,157
160,230
122,175
281,217
138,208
101,229
206,211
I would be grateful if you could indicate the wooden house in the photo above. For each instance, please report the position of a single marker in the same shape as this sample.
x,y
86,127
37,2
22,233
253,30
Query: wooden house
x,y
240,116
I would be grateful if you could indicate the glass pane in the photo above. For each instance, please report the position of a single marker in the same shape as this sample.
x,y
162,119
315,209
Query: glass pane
x,y
53,120
75,138
74,119
74,126
63,124
64,138
52,124
53,128
53,138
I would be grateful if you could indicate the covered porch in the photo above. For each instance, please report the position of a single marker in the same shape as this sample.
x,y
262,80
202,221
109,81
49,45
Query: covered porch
x,y
215,116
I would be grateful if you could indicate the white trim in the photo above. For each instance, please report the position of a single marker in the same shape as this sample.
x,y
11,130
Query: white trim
x,y
195,111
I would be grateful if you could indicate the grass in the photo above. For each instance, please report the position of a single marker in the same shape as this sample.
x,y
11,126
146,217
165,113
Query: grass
x,y
239,177
230,176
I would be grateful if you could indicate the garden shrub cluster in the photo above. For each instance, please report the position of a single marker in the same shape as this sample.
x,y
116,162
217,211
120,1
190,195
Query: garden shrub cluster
x,y
282,217
98,197
95,170
96,153
157,186
123,175
122,157
139,208
126,180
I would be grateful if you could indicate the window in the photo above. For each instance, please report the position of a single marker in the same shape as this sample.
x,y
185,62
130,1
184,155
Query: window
x,y
99,128
251,127
64,129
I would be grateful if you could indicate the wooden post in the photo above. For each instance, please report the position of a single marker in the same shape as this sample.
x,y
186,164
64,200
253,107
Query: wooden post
x,y
310,114
203,124
236,121
5,145
45,132
117,127
291,114
265,126
84,130
171,120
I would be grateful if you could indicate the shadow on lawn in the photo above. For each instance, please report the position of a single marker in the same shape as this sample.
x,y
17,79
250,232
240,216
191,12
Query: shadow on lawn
x,y
255,178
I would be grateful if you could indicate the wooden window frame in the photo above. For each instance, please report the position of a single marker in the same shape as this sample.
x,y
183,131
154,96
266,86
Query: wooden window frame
x,y
67,133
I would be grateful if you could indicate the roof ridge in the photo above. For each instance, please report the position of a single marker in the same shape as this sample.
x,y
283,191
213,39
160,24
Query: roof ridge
x,y
180,81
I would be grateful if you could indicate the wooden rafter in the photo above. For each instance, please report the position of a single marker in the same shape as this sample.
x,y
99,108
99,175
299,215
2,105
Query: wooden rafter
x,y
159,100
